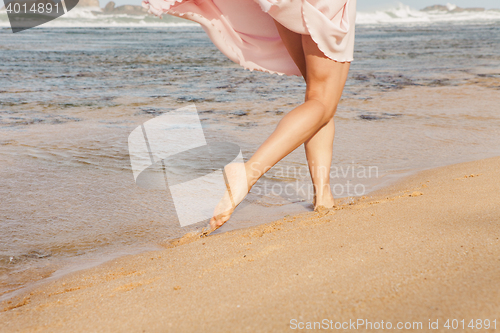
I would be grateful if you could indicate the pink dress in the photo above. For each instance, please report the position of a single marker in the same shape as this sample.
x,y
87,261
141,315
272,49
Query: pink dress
x,y
245,32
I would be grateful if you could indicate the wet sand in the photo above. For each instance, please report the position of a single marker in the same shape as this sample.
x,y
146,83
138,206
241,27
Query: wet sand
x,y
426,248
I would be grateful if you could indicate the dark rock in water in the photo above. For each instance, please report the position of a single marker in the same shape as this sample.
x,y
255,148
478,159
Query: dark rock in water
x,y
154,111
370,117
461,10
190,99
442,8
110,6
240,113
392,115
435,7
125,9
439,83
373,116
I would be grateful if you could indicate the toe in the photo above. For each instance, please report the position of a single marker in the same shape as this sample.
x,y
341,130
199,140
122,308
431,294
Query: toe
x,y
213,223
216,222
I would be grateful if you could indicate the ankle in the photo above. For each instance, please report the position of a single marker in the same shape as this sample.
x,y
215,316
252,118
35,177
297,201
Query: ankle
x,y
252,176
324,197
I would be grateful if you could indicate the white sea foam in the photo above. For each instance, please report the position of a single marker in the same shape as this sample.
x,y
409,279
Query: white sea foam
x,y
400,14
451,6
87,17
403,14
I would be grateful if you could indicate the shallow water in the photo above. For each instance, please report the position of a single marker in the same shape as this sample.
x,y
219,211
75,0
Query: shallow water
x,y
417,97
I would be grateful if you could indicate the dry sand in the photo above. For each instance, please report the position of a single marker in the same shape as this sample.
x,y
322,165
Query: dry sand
x,y
426,248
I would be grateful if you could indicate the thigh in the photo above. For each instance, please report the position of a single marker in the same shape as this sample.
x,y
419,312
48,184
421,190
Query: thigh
x,y
325,77
293,43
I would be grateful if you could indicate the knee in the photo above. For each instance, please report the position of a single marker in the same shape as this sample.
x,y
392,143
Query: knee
x,y
325,111
327,106
326,93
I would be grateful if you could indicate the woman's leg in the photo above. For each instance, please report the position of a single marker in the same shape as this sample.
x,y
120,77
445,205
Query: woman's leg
x,y
319,150
319,147
293,44
325,80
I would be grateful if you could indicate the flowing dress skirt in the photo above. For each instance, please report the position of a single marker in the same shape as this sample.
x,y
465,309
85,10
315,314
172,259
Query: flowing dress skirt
x,y
245,32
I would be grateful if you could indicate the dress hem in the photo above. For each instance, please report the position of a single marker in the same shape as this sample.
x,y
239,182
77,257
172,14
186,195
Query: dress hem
x,y
160,11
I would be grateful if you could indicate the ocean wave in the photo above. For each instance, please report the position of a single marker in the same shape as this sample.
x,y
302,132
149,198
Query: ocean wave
x,y
89,17
399,15
403,14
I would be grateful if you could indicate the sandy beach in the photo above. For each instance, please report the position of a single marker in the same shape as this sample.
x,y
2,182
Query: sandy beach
x,y
424,250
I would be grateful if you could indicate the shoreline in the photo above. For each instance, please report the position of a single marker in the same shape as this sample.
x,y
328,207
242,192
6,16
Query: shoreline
x,y
67,266
280,266
74,266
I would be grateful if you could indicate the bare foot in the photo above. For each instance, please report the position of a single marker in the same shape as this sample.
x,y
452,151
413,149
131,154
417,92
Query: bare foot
x,y
325,202
237,188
